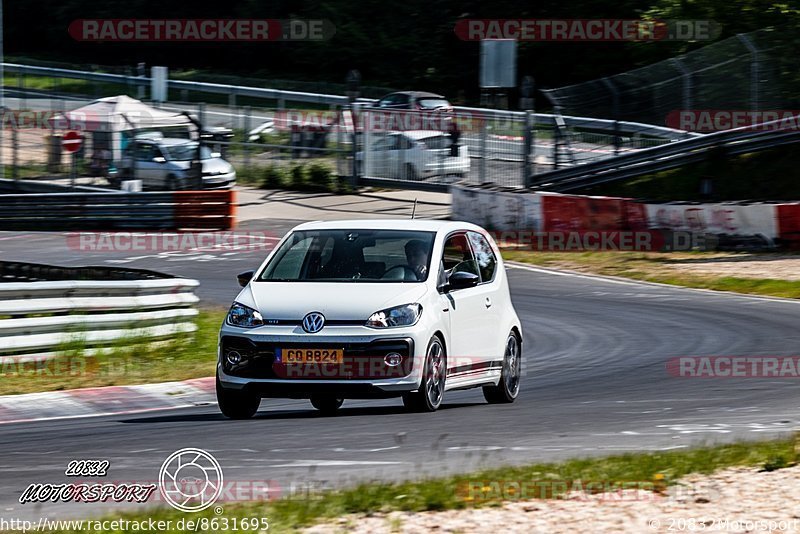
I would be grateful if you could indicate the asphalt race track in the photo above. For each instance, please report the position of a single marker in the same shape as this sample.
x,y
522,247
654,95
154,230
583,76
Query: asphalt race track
x,y
595,383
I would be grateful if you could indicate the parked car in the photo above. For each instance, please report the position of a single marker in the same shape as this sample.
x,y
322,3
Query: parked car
x,y
414,155
256,134
415,100
164,163
371,309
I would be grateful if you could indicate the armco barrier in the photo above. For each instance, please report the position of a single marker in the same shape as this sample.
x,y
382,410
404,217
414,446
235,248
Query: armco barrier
x,y
37,317
191,210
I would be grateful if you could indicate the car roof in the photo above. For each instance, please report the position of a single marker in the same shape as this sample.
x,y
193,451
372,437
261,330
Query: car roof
x,y
422,134
417,94
427,225
169,141
172,141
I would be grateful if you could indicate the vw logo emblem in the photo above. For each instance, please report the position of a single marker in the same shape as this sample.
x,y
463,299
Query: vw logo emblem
x,y
313,322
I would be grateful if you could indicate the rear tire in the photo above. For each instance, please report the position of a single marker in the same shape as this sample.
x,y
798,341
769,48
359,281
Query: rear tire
x,y
236,404
326,405
506,391
434,375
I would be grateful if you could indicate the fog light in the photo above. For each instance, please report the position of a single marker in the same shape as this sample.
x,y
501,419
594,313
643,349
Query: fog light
x,y
393,359
233,357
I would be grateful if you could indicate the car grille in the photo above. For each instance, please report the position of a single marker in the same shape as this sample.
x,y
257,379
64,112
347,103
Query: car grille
x,y
361,361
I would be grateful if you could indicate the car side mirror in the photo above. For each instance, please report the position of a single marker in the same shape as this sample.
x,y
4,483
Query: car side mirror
x,y
160,159
245,277
462,280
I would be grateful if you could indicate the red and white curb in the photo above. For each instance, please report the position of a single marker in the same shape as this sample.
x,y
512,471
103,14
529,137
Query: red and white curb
x,y
111,400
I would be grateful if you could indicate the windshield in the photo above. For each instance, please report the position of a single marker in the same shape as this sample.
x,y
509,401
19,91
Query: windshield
x,y
433,103
352,256
185,152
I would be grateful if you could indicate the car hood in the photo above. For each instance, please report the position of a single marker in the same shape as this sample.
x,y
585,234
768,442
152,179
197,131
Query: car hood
x,y
210,166
336,301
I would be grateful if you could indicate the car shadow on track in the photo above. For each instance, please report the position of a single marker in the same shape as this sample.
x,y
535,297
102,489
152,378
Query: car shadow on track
x,y
310,413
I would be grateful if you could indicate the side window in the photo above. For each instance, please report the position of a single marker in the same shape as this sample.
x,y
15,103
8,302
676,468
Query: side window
x,y
457,255
144,152
379,145
487,263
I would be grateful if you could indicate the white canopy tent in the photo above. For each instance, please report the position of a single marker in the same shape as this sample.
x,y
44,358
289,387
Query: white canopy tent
x,y
113,120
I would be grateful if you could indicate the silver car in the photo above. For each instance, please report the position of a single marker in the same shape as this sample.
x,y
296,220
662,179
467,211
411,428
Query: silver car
x,y
164,163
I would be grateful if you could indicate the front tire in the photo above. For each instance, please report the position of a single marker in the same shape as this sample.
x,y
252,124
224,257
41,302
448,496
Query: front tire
x,y
431,390
174,183
236,404
506,391
410,173
326,405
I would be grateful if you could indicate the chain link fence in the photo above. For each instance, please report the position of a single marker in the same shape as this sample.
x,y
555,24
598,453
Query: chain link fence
x,y
746,72
275,138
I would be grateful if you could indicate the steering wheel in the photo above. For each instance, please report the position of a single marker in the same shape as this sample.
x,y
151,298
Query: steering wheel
x,y
403,272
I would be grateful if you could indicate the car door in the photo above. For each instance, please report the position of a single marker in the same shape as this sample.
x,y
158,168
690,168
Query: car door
x,y
393,157
147,170
494,300
376,164
470,335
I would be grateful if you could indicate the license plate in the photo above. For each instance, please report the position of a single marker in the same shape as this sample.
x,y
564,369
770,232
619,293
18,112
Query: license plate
x,y
310,355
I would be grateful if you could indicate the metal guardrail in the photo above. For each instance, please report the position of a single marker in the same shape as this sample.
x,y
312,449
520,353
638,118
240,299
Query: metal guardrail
x,y
584,123
735,141
588,123
13,271
37,318
196,210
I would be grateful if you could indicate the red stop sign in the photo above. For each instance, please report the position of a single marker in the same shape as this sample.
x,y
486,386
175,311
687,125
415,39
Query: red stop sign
x,y
72,141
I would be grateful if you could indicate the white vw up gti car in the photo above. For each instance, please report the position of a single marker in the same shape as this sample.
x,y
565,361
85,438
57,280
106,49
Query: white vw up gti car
x,y
371,309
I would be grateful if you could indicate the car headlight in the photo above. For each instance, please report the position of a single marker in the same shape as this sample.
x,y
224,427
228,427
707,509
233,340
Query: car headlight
x,y
405,315
244,317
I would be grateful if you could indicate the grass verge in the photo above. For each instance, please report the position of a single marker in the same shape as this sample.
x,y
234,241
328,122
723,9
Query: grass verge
x,y
664,268
128,361
664,468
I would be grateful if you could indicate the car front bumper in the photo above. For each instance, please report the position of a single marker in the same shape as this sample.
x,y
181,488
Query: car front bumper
x,y
363,373
219,181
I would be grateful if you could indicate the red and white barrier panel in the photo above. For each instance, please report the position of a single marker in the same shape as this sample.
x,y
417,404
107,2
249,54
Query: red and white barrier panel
x,y
497,210
556,220
788,216
715,219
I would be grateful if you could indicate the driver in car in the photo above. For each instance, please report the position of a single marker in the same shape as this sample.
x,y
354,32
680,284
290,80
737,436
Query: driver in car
x,y
417,257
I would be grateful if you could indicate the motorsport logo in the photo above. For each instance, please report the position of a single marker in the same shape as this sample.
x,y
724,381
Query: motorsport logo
x,y
190,480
